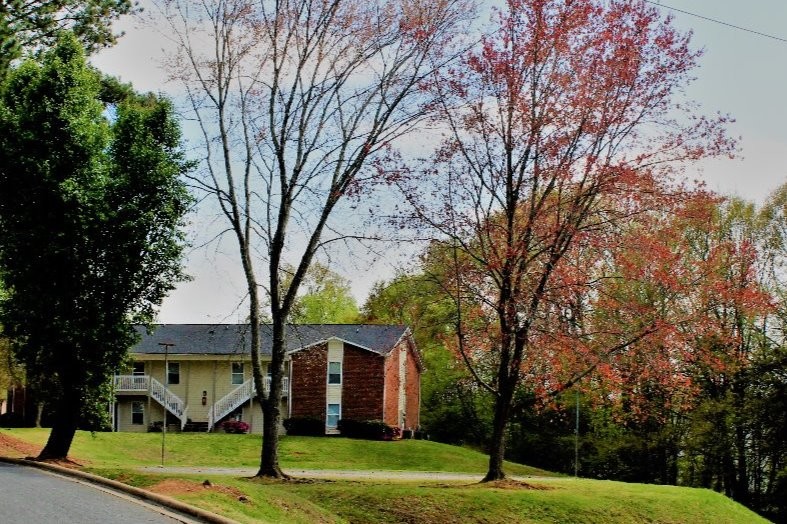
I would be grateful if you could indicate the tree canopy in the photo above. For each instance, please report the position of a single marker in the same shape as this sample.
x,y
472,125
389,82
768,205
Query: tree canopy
x,y
33,25
91,206
327,299
566,122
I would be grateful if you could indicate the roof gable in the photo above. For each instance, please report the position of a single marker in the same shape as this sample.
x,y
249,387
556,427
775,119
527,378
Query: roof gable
x,y
235,339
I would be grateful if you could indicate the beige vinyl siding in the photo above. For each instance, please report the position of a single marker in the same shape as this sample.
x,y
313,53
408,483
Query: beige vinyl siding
x,y
211,374
333,393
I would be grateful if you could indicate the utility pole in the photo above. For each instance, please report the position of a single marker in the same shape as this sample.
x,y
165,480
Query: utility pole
x,y
576,439
166,345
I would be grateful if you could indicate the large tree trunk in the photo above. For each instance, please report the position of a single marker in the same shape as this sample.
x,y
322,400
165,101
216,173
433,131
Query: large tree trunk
x,y
39,413
497,445
64,425
269,459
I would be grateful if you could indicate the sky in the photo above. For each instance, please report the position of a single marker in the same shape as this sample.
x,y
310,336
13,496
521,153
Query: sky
x,y
741,73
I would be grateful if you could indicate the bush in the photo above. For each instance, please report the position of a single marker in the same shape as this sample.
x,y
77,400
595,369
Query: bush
x,y
12,420
304,426
235,426
368,429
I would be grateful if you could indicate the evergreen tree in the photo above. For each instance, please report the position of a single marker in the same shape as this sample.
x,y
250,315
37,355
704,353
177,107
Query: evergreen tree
x,y
91,206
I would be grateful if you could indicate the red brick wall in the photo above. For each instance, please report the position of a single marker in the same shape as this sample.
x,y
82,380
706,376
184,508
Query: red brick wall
x,y
309,368
412,387
362,384
413,391
391,416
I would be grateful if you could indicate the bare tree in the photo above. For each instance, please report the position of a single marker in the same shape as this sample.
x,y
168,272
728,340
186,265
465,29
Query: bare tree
x,y
295,99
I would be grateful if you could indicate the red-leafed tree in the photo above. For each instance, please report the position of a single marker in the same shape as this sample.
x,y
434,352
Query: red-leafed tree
x,y
564,128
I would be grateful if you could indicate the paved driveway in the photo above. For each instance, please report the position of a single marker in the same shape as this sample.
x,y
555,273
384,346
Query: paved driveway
x,y
32,496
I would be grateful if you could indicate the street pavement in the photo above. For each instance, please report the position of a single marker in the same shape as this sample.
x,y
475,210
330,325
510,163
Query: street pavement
x,y
32,496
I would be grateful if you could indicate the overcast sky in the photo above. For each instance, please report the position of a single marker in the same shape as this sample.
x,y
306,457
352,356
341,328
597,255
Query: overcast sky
x,y
741,73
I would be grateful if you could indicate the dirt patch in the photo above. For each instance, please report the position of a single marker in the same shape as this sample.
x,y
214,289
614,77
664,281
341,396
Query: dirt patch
x,y
15,448
172,487
293,480
512,484
65,463
497,484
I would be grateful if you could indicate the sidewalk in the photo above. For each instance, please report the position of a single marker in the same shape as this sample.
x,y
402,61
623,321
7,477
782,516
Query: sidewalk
x,y
337,474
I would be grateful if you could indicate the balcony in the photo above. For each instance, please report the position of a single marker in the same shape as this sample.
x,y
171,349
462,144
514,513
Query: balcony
x,y
139,383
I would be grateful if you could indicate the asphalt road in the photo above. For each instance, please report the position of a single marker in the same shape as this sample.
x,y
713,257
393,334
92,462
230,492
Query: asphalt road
x,y
32,496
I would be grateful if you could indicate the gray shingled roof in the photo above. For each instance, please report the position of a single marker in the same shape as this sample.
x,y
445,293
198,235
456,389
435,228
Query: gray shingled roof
x,y
229,339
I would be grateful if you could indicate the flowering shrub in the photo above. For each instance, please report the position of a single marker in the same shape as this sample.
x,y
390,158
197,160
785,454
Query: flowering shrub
x,y
235,426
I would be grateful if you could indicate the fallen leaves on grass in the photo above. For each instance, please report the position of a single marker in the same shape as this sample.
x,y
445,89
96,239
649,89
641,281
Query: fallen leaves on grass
x,y
15,448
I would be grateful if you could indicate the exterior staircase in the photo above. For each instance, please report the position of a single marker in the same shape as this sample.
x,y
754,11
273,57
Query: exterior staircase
x,y
157,391
236,398
169,400
230,402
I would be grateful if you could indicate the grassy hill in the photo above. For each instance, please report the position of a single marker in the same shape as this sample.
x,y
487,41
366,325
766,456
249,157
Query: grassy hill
x,y
554,500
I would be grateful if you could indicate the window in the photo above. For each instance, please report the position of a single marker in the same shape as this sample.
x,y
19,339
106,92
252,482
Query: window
x,y
237,373
173,373
138,369
137,413
334,413
334,372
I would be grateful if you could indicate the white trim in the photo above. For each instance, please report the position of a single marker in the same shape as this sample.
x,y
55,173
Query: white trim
x,y
233,374
140,412
326,340
341,373
335,429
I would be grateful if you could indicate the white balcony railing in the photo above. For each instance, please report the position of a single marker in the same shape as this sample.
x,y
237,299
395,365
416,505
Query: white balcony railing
x,y
132,382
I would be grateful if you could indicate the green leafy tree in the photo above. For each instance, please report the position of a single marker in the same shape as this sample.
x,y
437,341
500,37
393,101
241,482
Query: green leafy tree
x,y
29,25
327,299
91,206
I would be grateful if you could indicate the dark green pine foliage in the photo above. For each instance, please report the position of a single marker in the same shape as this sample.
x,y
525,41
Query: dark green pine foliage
x,y
91,204
32,25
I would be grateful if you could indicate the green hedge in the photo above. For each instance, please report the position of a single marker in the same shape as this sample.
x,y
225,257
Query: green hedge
x,y
368,429
304,426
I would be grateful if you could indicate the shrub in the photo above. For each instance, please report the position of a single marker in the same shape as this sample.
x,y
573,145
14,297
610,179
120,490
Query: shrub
x,y
368,429
235,426
304,426
12,420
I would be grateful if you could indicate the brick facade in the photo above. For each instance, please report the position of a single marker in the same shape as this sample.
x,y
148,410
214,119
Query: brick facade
x,y
308,382
413,391
362,388
391,415
373,386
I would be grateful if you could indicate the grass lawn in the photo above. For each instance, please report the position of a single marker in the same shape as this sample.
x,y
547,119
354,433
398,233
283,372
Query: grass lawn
x,y
127,450
552,500
558,500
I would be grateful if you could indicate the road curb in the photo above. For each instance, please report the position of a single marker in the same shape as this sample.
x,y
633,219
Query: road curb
x,y
161,500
